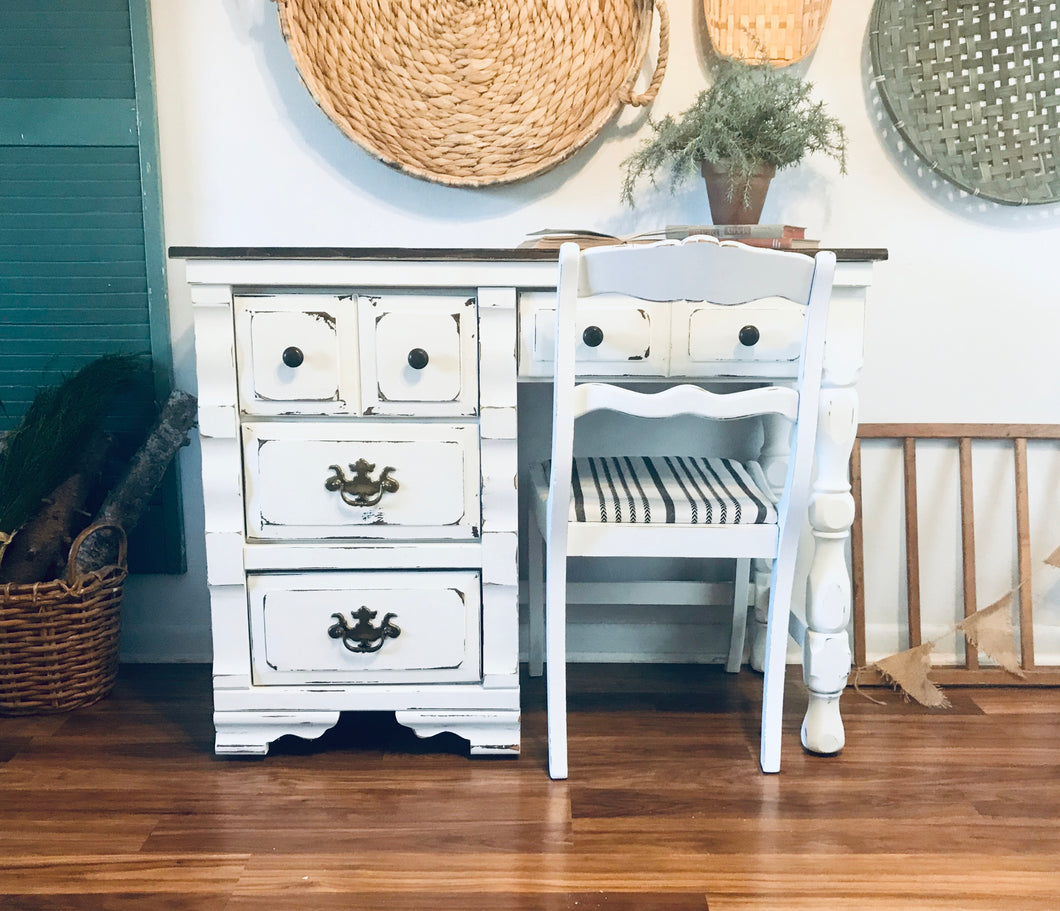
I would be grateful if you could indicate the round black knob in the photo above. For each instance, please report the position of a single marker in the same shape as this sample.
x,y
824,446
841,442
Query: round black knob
x,y
293,356
418,359
749,335
593,336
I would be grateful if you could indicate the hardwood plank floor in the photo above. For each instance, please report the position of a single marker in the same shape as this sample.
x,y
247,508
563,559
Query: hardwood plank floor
x,y
122,806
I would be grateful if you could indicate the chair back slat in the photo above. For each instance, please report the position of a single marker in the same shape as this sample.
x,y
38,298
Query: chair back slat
x,y
685,400
696,269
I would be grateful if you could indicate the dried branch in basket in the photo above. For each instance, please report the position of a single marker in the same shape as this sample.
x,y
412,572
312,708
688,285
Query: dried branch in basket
x,y
42,451
128,499
38,551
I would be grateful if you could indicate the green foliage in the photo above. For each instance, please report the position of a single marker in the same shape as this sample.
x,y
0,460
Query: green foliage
x,y
751,115
42,451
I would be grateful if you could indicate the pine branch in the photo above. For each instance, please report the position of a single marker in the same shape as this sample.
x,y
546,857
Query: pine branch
x,y
39,454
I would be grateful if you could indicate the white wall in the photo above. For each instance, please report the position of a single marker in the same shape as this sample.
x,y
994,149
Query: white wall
x,y
964,318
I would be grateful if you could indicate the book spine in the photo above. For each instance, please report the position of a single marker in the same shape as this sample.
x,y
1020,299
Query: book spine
x,y
777,243
772,243
737,232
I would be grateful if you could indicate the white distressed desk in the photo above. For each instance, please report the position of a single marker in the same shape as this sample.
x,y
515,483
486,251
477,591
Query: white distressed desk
x,y
358,418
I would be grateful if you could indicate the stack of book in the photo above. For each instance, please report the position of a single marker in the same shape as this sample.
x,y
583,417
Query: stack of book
x,y
778,237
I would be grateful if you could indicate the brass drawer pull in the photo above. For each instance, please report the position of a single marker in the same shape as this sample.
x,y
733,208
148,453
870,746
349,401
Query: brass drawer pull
x,y
361,490
362,636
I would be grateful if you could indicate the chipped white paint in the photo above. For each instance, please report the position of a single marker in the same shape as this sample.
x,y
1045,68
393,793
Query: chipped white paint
x,y
237,383
307,365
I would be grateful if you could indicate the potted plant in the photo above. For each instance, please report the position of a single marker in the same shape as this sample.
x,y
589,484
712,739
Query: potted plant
x,y
751,122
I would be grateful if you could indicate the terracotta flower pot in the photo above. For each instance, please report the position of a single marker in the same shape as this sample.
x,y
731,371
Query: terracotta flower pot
x,y
726,211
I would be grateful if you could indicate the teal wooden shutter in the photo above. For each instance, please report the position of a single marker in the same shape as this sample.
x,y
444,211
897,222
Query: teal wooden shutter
x,y
82,268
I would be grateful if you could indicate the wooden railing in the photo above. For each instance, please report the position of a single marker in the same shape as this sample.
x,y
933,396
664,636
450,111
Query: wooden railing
x,y
965,436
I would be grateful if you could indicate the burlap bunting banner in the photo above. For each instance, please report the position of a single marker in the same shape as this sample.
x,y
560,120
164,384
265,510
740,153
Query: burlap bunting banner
x,y
989,630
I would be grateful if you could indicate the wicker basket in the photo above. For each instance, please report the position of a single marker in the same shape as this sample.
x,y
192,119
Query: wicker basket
x,y
781,31
470,94
974,89
59,639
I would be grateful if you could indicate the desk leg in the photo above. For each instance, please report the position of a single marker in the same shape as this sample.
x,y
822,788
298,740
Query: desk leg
x,y
826,649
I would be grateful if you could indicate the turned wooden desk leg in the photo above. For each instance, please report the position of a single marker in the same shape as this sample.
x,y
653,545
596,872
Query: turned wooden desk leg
x,y
826,649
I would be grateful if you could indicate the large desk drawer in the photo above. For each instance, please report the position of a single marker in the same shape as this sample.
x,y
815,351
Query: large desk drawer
x,y
361,479
365,627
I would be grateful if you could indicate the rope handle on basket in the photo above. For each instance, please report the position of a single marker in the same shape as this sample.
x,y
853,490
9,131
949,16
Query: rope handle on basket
x,y
625,93
73,578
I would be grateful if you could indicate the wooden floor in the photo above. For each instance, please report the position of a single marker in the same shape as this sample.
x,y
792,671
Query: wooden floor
x,y
122,806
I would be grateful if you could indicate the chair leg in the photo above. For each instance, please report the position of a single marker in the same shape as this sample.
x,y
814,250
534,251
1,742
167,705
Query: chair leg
x,y
762,573
742,590
556,659
536,601
782,582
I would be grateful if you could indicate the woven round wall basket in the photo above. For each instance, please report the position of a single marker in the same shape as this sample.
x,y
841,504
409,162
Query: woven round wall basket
x,y
59,639
473,93
973,87
781,32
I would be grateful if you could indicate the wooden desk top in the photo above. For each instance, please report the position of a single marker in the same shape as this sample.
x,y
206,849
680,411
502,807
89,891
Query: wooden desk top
x,y
437,254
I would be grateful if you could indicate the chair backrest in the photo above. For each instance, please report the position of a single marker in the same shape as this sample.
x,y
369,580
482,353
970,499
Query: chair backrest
x,y
699,269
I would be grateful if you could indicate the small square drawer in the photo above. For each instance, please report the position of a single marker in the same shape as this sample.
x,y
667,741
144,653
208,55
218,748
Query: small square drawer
x,y
618,336
418,354
711,338
297,354
361,479
365,627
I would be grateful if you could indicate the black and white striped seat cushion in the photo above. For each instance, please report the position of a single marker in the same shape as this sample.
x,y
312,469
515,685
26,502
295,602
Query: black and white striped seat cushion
x,y
686,490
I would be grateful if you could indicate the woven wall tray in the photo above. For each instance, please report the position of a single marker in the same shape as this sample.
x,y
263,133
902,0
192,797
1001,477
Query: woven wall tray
x,y
973,86
473,93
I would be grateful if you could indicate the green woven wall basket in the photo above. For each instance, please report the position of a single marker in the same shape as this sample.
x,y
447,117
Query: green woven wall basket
x,y
973,87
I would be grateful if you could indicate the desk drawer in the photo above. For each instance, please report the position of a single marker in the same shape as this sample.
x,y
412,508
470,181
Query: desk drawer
x,y
618,336
419,354
710,338
365,627
297,354
361,479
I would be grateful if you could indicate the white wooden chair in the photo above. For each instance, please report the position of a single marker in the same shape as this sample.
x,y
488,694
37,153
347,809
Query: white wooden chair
x,y
690,505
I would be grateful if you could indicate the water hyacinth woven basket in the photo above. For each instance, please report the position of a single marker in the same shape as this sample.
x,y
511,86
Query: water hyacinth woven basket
x,y
472,94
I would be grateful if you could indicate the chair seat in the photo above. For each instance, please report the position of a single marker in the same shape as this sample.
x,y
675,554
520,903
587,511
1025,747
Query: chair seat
x,y
668,490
